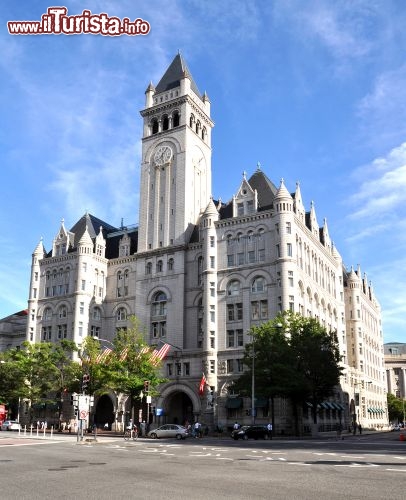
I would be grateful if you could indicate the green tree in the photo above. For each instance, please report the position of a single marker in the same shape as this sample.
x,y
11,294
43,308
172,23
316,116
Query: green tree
x,y
295,357
396,408
37,372
123,367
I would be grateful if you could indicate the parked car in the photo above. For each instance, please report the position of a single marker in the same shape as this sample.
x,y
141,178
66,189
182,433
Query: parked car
x,y
10,425
169,431
251,432
395,428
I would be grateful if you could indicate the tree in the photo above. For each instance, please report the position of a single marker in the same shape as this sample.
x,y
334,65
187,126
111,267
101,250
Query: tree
x,y
295,357
37,372
396,408
124,366
317,357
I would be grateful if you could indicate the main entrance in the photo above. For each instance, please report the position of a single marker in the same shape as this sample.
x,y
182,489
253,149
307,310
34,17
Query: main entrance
x,y
177,409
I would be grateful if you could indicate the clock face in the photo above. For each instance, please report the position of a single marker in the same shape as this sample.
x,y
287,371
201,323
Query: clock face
x,y
163,155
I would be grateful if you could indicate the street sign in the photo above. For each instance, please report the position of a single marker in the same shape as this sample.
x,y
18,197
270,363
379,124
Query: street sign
x,y
83,414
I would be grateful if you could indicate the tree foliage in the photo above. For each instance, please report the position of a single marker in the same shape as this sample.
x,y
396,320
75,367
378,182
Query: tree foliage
x,y
295,357
37,372
396,408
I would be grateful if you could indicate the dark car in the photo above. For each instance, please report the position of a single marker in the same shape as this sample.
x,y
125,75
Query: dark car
x,y
251,432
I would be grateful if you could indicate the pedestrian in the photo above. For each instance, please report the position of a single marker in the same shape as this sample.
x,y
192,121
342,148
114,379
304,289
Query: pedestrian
x,y
236,426
197,429
143,426
269,428
360,428
339,430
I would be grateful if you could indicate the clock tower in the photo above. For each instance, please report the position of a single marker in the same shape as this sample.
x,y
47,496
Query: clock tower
x,y
176,159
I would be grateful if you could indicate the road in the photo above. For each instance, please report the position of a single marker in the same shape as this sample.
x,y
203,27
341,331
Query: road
x,y
367,467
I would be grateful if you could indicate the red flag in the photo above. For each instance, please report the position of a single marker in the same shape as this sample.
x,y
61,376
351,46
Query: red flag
x,y
202,384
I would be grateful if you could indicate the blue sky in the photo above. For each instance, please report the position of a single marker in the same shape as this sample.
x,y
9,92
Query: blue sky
x,y
313,90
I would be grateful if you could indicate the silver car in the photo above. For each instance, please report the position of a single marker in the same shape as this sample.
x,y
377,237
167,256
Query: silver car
x,y
169,431
10,425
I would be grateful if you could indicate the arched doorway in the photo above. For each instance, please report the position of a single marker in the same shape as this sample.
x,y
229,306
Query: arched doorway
x,y
178,408
104,413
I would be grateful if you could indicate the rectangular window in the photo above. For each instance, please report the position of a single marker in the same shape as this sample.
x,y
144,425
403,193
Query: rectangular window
x,y
82,308
261,255
169,370
80,329
289,249
240,338
212,289
230,338
230,260
230,365
212,262
250,206
255,310
212,366
291,303
186,369
251,257
290,278
239,311
178,368
264,309
289,228
83,285
230,312
212,241
240,365
278,251
240,208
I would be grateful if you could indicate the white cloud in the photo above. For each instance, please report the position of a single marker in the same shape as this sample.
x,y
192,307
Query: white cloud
x,y
382,195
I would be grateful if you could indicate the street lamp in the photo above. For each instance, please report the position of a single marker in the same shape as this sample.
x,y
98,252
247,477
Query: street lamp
x,y
354,416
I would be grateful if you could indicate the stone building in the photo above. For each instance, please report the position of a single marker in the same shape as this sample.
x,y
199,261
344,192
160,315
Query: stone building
x,y
199,273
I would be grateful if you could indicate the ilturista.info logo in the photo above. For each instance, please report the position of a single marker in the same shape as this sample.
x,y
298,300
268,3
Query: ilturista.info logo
x,y
57,22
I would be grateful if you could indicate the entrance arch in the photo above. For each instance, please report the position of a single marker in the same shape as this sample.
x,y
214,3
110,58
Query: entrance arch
x,y
179,404
104,413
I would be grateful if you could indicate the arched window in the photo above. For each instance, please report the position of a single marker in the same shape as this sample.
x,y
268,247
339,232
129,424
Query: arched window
x,y
176,119
204,133
199,270
148,268
165,123
121,314
47,315
233,288
159,304
159,266
198,126
258,285
191,120
171,263
155,127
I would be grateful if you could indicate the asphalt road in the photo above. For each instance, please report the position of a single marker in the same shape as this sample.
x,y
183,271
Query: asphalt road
x,y
367,467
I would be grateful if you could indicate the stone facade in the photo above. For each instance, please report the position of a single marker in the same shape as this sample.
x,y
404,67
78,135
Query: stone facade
x,y
199,273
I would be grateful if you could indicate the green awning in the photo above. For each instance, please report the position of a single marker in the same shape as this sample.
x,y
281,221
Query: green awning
x,y
233,403
38,406
261,402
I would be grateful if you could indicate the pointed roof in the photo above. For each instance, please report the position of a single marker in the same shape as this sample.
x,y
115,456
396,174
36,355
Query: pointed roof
x,y
91,224
176,71
211,208
265,188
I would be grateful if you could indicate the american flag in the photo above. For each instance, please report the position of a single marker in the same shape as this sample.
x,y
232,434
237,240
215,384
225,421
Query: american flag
x,y
123,354
103,355
158,355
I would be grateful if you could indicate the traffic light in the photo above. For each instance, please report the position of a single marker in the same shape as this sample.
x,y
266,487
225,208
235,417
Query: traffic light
x,y
85,381
146,385
74,399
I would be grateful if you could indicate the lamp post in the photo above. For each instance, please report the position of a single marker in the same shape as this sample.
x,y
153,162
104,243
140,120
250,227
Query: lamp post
x,y
355,414
253,382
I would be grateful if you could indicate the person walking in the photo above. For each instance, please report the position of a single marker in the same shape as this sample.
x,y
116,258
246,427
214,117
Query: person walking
x,y
360,428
